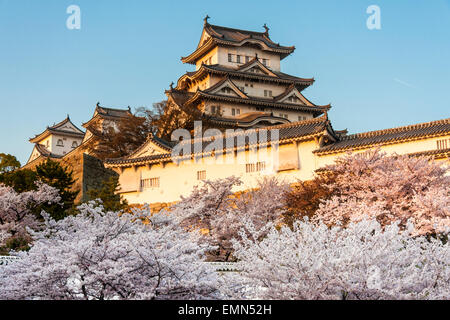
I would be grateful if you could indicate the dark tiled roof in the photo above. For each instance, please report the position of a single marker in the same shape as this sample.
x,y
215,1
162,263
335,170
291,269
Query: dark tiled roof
x,y
110,112
180,96
66,120
281,77
436,153
55,129
235,37
362,140
107,113
317,110
286,132
249,119
45,152
238,35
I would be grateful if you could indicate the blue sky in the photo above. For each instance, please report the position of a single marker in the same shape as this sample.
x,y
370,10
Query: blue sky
x,y
128,52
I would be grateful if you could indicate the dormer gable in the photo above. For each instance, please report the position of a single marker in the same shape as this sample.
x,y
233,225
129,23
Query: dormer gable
x,y
226,87
293,95
153,146
255,66
63,128
203,38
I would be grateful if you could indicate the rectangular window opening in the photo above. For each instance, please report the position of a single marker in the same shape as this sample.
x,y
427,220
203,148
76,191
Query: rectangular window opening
x,y
150,183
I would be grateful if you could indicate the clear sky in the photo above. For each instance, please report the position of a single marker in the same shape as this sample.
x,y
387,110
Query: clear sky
x,y
128,52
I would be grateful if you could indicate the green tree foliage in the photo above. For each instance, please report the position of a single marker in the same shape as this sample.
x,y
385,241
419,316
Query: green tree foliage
x,y
8,163
107,193
21,180
61,178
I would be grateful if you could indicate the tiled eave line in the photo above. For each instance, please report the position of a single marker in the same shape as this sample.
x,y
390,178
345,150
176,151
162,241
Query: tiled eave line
x,y
50,131
252,101
377,144
248,123
41,157
212,42
238,74
436,153
167,157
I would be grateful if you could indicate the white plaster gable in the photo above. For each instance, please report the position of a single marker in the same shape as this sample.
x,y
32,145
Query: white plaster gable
x,y
232,90
295,97
203,38
257,67
34,154
69,127
149,148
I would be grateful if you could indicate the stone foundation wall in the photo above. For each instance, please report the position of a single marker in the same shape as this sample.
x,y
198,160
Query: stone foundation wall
x,y
88,171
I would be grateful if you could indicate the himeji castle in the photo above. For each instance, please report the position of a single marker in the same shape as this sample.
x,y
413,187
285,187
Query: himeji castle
x,y
269,126
238,81
238,84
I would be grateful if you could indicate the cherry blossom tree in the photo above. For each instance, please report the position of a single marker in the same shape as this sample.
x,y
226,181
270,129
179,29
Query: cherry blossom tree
x,y
101,255
361,261
389,188
218,213
16,210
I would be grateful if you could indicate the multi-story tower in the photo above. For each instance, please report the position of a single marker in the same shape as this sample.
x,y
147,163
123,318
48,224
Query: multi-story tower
x,y
56,141
238,81
103,119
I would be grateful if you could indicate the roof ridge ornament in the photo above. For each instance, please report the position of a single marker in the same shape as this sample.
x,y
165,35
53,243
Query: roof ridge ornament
x,y
206,20
267,29
171,85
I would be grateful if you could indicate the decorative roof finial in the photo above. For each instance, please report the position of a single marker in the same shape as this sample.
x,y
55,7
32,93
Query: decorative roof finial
x,y
98,104
129,109
171,85
267,28
206,19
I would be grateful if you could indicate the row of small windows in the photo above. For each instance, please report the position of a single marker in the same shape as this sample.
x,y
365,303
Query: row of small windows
x,y
237,111
215,109
255,167
237,58
150,183
267,93
443,144
60,143
201,175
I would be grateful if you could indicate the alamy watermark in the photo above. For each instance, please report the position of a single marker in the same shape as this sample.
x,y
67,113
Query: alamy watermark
x,y
374,20
73,22
234,146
